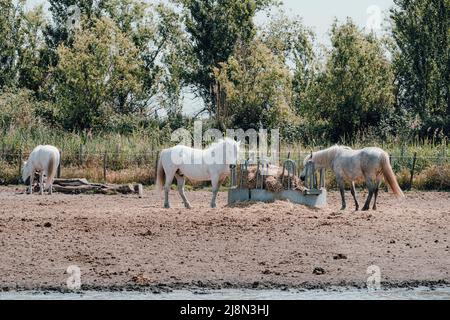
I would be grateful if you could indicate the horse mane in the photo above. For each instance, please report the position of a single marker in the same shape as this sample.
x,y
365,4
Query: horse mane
x,y
219,142
325,157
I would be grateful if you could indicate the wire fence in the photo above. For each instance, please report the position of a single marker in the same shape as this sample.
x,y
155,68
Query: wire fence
x,y
128,166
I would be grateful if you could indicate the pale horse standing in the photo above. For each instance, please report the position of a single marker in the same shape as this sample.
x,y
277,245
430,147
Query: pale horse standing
x,y
368,164
211,164
45,160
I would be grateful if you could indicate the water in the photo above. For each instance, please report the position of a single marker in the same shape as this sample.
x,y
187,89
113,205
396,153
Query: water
x,y
421,293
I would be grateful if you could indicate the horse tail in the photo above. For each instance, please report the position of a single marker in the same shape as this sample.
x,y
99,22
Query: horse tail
x,y
389,176
52,168
160,175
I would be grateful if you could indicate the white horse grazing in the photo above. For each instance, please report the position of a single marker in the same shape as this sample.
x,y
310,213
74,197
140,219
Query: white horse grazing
x,y
211,164
368,164
45,160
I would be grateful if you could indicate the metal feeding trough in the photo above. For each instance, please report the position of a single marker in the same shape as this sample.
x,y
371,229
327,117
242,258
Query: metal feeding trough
x,y
314,195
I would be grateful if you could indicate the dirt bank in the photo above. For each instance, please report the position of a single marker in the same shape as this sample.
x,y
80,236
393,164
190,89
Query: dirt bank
x,y
126,242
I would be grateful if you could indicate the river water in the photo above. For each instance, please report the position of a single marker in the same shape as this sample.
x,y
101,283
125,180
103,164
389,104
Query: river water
x,y
421,293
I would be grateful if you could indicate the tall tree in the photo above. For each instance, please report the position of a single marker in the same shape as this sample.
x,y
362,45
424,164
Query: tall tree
x,y
21,45
215,27
156,31
421,29
293,43
95,74
256,87
10,21
356,88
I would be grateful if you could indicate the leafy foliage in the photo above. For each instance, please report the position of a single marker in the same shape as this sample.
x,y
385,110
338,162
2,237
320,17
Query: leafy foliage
x,y
257,87
355,89
128,63
421,30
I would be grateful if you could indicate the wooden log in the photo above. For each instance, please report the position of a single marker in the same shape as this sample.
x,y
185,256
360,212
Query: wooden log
x,y
71,182
78,186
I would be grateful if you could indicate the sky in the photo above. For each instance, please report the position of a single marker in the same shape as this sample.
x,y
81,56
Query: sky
x,y
318,15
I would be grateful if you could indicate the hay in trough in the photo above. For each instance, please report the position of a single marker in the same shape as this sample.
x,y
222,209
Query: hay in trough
x,y
272,182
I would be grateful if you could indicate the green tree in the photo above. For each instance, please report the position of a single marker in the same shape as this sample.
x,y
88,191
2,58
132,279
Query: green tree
x,y
421,29
156,31
355,90
94,75
20,45
10,21
215,27
293,43
256,88
31,62
57,32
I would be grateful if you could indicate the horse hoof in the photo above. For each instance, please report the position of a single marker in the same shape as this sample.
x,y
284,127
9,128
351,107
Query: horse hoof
x,y
343,208
166,206
365,209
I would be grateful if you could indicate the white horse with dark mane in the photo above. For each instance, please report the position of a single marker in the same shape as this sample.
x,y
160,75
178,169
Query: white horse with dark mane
x,y
44,160
368,165
211,164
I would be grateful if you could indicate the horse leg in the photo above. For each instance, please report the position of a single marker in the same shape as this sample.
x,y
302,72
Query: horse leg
x,y
377,187
215,190
41,183
353,190
31,182
341,185
49,183
371,188
180,184
167,185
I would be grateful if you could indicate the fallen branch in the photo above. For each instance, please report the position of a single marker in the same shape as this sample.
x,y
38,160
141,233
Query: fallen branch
x,y
79,186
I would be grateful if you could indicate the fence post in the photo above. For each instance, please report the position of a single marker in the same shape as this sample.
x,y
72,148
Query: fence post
x,y
20,163
445,151
81,155
156,165
105,161
58,174
412,171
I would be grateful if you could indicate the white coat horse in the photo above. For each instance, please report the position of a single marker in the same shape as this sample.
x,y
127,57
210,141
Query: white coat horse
x,y
45,160
211,164
368,164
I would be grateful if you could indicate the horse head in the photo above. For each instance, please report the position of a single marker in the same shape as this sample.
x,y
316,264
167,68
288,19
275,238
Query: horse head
x,y
305,167
26,172
232,148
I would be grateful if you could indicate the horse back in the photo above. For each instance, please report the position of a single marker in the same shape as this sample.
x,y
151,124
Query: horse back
x,y
371,159
45,158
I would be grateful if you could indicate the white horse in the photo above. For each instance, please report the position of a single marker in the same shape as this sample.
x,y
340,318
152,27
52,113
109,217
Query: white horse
x,y
211,164
368,164
45,160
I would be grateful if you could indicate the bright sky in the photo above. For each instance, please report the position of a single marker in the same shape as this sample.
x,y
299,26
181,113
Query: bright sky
x,y
320,14
317,14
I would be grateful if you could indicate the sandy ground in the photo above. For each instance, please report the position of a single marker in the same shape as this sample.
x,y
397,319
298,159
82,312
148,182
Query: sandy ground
x,y
122,242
